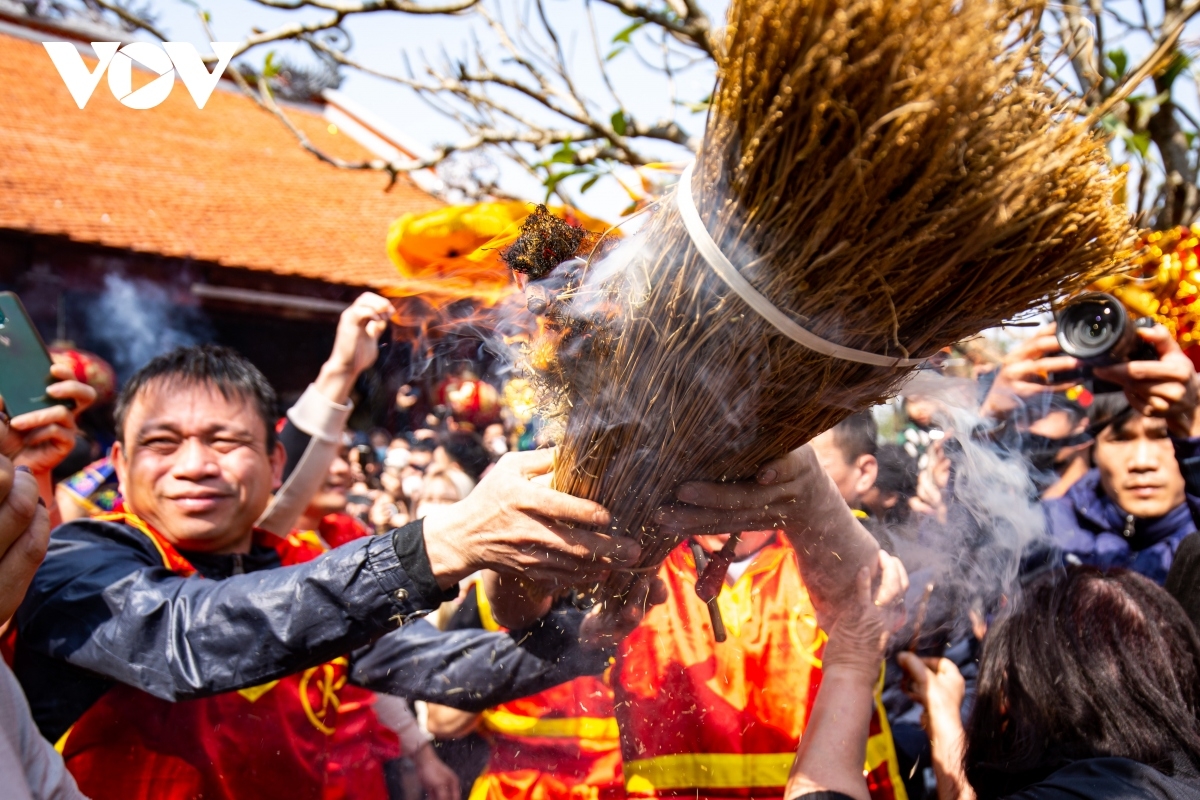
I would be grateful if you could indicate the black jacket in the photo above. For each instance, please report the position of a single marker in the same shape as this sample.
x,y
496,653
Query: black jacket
x,y
102,609
1090,779
1101,778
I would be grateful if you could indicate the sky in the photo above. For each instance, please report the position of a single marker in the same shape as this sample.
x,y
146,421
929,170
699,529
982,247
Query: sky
x,y
383,40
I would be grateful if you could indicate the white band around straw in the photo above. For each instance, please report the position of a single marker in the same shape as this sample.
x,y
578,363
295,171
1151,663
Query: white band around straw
x,y
727,272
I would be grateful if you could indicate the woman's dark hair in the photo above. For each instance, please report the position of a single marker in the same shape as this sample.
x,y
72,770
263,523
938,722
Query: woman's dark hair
x,y
1089,664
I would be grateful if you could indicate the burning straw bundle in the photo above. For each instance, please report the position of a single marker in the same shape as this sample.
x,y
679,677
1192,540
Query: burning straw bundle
x,y
893,174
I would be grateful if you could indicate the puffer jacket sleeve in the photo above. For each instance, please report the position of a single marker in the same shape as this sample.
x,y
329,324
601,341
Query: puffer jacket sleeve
x,y
473,669
103,601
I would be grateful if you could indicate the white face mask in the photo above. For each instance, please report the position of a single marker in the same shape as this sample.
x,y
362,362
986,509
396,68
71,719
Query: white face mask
x,y
498,446
411,485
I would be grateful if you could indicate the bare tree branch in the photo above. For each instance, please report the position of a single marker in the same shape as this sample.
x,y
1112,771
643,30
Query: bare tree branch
x,y
601,67
694,26
369,7
294,31
516,93
1097,9
128,16
1152,63
470,86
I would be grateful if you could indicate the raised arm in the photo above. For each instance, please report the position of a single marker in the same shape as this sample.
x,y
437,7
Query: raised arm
x,y
315,423
103,601
831,753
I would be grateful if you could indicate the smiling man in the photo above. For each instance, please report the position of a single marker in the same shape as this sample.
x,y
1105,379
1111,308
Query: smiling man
x,y
173,650
194,453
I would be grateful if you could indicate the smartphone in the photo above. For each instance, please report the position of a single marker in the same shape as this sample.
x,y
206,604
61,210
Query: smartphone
x,y
24,360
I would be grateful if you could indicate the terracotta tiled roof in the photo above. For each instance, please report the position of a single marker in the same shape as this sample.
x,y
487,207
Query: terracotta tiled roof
x,y
227,184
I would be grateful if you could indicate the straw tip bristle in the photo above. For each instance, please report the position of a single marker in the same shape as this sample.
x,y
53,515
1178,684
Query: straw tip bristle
x,y
545,242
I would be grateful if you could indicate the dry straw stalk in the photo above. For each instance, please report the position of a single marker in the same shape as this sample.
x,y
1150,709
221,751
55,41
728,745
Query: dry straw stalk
x,y
892,173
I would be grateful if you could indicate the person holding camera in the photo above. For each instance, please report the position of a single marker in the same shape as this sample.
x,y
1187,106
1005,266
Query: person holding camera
x,y
1131,507
1050,427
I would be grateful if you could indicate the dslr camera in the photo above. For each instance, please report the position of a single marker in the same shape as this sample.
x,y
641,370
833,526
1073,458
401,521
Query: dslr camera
x,y
1099,331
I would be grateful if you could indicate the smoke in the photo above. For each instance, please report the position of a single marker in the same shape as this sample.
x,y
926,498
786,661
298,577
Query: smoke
x,y
993,516
135,320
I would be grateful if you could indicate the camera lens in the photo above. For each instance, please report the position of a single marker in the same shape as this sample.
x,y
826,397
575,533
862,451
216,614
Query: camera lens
x,y
1092,326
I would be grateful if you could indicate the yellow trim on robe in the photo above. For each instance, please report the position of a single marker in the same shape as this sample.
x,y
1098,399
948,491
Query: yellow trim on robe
x,y
751,770
252,693
61,744
882,746
510,724
708,771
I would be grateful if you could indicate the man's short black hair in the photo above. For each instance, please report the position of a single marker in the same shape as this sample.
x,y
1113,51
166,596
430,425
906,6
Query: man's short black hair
x,y
898,471
466,449
426,445
222,368
856,435
1108,410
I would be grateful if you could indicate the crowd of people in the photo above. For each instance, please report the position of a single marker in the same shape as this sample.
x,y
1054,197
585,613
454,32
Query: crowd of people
x,y
242,601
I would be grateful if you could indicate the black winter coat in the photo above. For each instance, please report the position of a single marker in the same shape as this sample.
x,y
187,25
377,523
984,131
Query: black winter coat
x,y
102,610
